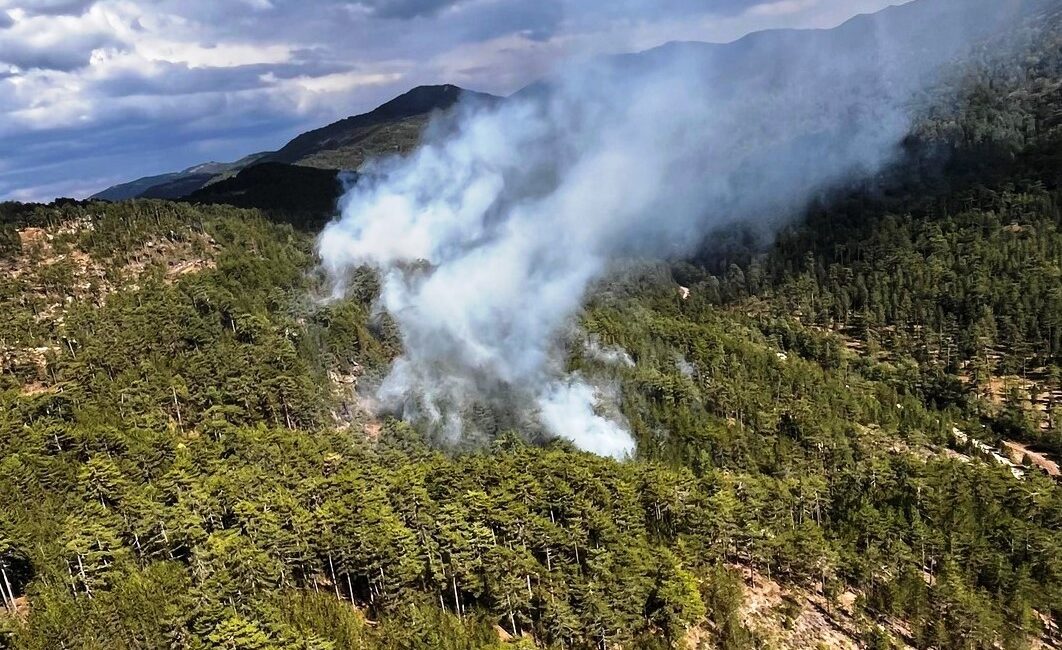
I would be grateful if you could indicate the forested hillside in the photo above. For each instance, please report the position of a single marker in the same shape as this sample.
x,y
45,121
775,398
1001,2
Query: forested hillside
x,y
822,429
954,264
182,467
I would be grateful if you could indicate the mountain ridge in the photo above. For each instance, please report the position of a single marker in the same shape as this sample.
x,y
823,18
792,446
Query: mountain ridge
x,y
394,126
419,102
171,185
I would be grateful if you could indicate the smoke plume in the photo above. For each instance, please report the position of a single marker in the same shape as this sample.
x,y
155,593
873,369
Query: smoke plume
x,y
488,236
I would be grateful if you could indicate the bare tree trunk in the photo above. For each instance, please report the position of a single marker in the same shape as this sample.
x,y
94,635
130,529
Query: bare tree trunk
x,y
332,569
9,594
177,406
457,601
73,583
84,578
512,619
166,538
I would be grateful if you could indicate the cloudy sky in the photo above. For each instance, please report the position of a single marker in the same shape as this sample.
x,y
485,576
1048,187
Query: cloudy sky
x,y
96,92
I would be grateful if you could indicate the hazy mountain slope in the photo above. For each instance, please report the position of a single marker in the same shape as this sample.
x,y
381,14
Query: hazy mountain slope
x,y
133,189
176,184
896,54
912,36
897,46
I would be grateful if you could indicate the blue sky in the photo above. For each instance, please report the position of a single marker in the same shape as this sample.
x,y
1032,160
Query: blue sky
x,y
96,92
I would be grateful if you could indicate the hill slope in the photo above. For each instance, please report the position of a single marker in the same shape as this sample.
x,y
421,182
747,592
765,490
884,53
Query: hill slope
x,y
305,195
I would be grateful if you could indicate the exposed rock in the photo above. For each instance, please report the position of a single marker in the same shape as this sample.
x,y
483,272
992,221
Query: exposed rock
x,y
799,619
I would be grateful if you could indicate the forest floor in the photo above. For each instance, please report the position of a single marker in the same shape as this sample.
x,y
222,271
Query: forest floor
x,y
1019,453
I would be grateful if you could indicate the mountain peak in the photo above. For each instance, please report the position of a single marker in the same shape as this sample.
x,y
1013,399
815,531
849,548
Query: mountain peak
x,y
420,100
415,104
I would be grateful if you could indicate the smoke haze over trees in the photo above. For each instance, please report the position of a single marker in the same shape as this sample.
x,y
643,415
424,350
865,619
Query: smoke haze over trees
x,y
490,234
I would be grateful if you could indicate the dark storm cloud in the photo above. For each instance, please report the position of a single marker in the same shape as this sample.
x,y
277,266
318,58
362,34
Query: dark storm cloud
x,y
80,160
413,8
127,130
406,8
535,20
53,7
180,79
72,52
679,7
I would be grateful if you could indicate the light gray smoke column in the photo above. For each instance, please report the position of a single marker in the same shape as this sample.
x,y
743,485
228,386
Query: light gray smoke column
x,y
489,235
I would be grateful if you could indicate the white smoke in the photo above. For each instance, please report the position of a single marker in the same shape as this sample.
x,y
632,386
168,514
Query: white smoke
x,y
687,369
609,355
571,401
489,235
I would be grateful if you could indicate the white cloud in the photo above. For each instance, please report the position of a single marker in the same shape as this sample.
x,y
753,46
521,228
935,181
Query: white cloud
x,y
343,81
782,8
222,55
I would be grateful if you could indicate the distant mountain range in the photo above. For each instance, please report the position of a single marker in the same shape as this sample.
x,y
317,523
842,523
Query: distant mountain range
x,y
910,39
176,184
394,127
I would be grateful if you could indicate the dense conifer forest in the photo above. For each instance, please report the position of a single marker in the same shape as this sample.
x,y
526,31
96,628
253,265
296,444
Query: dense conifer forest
x,y
863,414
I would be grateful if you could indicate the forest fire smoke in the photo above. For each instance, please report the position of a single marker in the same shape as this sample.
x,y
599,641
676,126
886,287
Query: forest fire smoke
x,y
489,235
